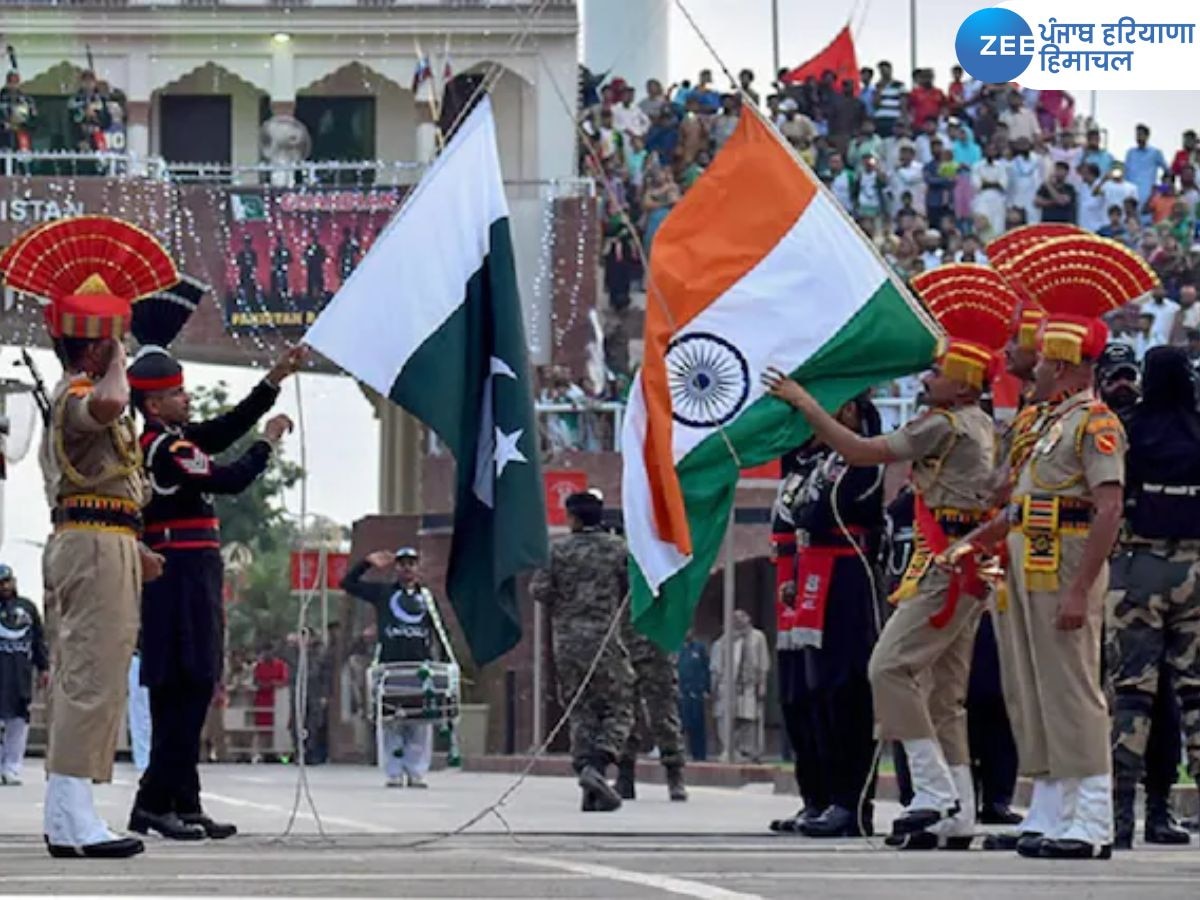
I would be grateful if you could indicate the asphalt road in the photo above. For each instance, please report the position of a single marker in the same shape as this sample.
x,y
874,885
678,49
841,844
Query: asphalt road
x,y
390,843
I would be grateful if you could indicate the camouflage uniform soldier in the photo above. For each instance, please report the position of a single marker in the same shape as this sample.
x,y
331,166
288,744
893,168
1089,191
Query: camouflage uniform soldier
x,y
655,695
1154,599
582,589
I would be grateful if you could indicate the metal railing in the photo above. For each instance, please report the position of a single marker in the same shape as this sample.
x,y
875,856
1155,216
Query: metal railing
x,y
81,164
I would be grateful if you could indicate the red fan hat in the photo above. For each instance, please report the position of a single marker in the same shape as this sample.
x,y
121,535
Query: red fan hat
x,y
90,269
1077,280
974,304
1009,246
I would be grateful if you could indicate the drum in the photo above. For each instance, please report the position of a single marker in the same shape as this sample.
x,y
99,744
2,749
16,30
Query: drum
x,y
414,691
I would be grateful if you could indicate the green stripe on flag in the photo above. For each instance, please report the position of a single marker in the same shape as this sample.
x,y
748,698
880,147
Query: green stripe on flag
x,y
884,340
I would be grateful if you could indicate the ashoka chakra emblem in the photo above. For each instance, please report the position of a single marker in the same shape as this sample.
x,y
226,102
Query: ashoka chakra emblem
x,y
708,378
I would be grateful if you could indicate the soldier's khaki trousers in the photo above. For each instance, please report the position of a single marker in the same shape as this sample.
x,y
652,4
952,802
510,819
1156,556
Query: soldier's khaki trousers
x,y
93,593
1061,722
919,673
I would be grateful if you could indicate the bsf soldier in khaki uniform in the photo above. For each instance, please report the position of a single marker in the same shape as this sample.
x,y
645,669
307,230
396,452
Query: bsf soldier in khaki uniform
x,y
920,667
90,269
1065,514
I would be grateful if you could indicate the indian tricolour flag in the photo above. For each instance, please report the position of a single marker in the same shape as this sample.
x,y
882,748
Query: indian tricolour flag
x,y
431,319
757,267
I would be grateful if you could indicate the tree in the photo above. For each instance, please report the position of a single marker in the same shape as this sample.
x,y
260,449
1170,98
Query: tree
x,y
265,607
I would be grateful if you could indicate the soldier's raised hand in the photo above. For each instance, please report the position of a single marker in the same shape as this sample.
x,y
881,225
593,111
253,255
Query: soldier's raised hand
x,y
380,559
292,360
277,427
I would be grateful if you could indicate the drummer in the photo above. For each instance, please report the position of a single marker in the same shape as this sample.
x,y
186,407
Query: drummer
x,y
406,628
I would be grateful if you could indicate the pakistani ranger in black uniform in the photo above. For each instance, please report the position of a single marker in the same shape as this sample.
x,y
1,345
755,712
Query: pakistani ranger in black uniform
x,y
182,631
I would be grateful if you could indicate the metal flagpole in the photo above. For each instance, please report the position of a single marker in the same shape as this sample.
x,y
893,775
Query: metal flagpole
x,y
912,35
775,37
729,676
539,683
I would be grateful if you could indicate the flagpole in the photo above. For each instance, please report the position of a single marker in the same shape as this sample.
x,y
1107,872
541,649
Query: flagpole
x,y
728,676
775,36
912,35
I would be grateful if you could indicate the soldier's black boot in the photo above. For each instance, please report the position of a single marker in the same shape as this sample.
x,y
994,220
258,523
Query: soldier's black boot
x,y
675,786
1160,823
594,783
627,779
1124,793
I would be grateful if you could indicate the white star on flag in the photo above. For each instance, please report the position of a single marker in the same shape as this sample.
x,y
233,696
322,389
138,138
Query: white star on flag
x,y
507,450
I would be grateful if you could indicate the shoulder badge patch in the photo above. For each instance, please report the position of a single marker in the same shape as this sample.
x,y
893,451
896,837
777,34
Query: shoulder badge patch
x,y
194,461
1107,441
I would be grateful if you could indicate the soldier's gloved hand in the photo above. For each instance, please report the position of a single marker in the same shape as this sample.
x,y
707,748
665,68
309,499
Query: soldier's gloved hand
x,y
381,559
276,428
292,360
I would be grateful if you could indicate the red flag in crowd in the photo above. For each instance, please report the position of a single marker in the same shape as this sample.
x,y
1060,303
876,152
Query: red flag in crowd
x,y
838,57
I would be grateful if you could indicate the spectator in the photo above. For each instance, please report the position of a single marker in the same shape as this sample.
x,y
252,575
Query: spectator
x,y
796,125
1186,156
1055,110
1116,189
990,180
1020,120
846,115
889,101
693,134
725,122
1162,311
89,115
972,251
842,182
1162,201
925,101
635,161
931,249
1143,163
866,92
872,191
746,84
1189,192
1091,203
1094,153
868,143
966,151
924,141
901,134
1189,310
1182,223
656,101
629,119
1115,229
708,99
1056,198
663,138
956,100
1068,151
660,197
908,176
1025,174
939,174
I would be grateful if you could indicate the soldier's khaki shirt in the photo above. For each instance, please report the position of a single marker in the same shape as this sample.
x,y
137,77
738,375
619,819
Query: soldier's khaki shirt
x,y
1081,446
98,452
952,453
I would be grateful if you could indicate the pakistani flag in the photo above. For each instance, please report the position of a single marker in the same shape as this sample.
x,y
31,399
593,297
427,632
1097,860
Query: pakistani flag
x,y
432,319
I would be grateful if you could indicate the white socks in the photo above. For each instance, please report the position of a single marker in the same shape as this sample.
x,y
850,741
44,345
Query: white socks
x,y
933,784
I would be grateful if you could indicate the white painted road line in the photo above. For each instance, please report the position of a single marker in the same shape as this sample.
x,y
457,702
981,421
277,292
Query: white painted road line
x,y
302,813
684,887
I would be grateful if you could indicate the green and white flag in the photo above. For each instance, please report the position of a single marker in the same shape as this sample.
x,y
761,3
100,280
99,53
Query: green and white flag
x,y
431,318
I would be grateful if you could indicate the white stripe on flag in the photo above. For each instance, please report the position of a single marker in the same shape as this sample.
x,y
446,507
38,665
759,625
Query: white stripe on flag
x,y
415,275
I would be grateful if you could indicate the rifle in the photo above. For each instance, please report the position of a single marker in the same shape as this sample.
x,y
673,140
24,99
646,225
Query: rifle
x,y
40,395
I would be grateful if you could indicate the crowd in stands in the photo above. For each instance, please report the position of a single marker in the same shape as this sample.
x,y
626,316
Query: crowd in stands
x,y
931,174
93,118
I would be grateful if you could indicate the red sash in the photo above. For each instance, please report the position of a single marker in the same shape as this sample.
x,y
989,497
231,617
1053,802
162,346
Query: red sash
x,y
964,578
814,575
24,143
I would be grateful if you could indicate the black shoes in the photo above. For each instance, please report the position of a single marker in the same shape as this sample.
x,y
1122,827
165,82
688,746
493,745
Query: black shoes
x,y
1068,849
598,794
1030,845
626,780
120,848
836,822
676,789
218,831
917,820
1008,840
999,814
169,825
1161,829
807,814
